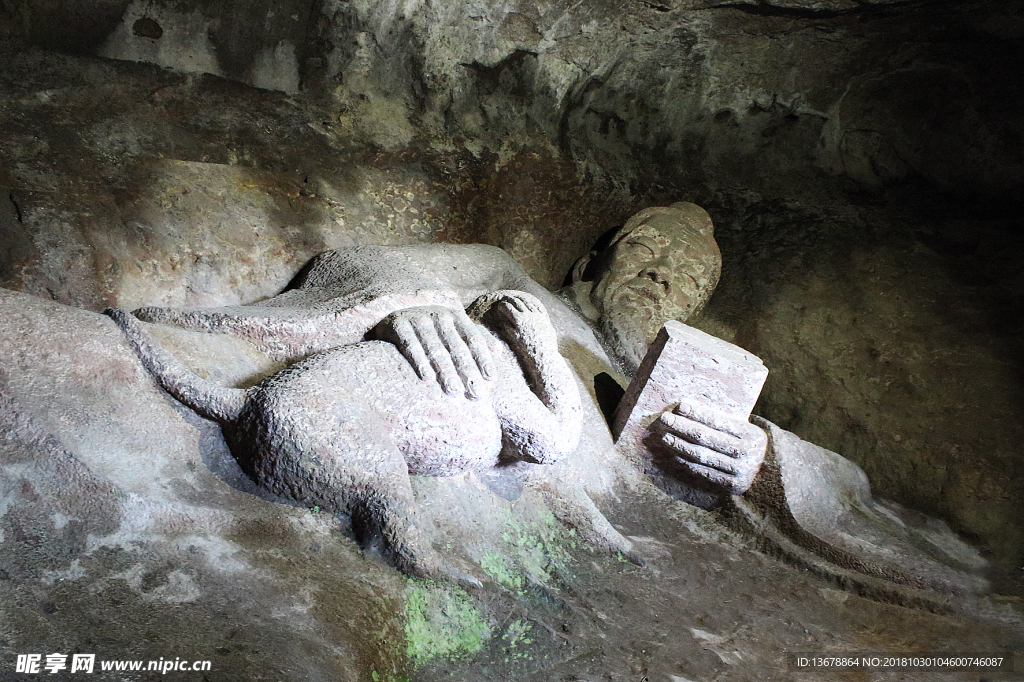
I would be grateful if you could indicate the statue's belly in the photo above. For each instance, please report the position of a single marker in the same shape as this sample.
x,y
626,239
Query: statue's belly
x,y
438,434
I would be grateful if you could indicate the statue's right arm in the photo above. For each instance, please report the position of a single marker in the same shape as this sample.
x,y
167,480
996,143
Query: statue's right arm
x,y
413,296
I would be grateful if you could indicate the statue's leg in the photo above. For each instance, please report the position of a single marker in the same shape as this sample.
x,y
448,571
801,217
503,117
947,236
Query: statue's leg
x,y
339,457
284,333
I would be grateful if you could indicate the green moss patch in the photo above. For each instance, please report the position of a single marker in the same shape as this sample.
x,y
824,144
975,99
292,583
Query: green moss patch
x,y
442,621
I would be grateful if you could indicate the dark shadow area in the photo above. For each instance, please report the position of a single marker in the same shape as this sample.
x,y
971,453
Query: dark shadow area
x,y
73,27
600,245
608,393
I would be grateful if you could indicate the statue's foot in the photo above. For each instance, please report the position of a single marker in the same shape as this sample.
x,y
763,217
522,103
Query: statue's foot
x,y
619,546
649,549
575,509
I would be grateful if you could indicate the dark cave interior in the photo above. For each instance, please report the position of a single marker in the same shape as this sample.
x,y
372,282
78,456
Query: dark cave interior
x,y
863,161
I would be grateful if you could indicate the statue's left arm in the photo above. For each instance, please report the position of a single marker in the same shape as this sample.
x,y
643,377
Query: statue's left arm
x,y
542,425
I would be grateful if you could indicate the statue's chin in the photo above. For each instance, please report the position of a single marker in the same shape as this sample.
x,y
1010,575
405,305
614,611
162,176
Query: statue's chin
x,y
628,340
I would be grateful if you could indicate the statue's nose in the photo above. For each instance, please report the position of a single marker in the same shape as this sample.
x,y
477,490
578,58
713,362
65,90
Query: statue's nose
x,y
657,273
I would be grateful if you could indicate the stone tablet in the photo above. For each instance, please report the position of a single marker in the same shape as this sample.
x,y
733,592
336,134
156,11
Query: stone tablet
x,y
686,363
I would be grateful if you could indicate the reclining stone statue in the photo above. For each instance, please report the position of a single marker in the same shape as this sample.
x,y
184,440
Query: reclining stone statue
x,y
344,428
662,264
344,425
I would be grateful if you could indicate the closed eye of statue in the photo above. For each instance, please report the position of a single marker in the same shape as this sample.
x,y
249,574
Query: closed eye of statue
x,y
643,246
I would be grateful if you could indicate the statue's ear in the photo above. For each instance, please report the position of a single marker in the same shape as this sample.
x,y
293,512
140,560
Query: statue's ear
x,y
580,272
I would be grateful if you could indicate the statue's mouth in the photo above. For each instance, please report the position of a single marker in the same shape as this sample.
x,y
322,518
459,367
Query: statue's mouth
x,y
643,288
648,294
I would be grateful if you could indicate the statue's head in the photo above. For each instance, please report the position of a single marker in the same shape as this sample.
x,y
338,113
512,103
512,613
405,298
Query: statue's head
x,y
663,264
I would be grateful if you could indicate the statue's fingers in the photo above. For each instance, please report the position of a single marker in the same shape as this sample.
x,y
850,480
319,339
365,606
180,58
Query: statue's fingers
x,y
407,341
439,356
714,418
510,299
709,436
461,356
533,304
526,303
691,452
474,338
733,484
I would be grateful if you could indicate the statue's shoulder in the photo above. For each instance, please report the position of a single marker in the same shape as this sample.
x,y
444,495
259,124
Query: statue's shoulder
x,y
367,254
469,267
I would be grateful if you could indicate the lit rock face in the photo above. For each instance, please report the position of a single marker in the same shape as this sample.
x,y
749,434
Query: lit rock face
x,y
344,429
124,499
345,426
120,500
861,161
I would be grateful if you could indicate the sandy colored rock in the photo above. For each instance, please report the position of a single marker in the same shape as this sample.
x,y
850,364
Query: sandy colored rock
x,y
688,363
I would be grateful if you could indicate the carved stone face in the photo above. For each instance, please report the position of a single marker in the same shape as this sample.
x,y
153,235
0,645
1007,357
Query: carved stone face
x,y
662,265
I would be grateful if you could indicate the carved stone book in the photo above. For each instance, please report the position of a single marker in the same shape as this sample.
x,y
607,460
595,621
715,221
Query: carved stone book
x,y
686,363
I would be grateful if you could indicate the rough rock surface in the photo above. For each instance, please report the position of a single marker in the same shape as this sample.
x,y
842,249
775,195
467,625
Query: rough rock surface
x,y
344,428
861,161
825,518
130,532
898,349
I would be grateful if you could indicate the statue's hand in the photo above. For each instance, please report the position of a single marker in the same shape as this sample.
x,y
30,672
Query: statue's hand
x,y
440,343
514,315
713,445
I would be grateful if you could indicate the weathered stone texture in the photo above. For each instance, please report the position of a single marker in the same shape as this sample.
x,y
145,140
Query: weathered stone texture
x,y
862,162
343,428
686,363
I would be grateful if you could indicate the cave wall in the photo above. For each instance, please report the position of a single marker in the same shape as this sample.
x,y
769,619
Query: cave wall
x,y
863,162
751,94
